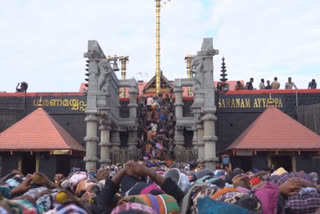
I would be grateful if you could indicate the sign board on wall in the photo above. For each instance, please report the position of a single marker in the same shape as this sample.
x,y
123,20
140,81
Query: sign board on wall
x,y
66,104
249,103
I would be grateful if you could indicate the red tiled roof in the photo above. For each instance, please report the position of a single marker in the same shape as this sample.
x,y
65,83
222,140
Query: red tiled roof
x,y
83,88
38,132
274,130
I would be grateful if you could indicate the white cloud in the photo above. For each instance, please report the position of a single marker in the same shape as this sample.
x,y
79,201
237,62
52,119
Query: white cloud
x,y
42,42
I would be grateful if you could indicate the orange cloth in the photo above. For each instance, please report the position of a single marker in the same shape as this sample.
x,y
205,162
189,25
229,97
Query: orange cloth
x,y
223,191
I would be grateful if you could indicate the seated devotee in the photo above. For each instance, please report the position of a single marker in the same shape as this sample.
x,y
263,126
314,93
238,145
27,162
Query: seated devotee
x,y
239,86
22,87
268,86
312,84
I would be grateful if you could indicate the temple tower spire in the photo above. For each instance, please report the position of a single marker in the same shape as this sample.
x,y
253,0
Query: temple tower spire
x,y
223,73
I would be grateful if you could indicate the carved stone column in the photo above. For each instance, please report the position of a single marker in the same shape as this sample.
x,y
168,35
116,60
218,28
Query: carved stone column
x,y
178,102
209,110
133,91
209,140
195,144
94,55
104,140
115,142
132,142
200,144
179,150
91,140
199,99
198,103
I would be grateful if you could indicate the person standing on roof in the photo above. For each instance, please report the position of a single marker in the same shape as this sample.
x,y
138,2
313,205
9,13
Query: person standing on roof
x,y
275,84
249,85
290,84
262,85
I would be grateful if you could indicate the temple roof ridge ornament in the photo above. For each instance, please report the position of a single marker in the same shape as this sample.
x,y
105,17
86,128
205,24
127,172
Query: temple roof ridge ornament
x,y
271,102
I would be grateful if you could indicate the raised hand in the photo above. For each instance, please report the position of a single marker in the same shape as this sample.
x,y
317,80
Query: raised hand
x,y
291,187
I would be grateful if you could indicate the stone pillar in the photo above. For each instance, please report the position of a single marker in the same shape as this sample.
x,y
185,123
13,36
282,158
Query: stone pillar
x,y
94,55
209,140
132,129
104,141
115,142
133,91
179,150
91,140
199,100
132,142
205,77
178,102
198,103
195,144
200,144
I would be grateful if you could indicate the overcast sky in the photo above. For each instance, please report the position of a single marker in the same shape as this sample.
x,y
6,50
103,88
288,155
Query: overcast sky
x,y
42,41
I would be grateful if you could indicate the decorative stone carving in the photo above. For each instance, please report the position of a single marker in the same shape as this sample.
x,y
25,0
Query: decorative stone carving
x,y
133,90
132,142
131,105
179,127
207,48
94,50
132,128
93,54
103,121
199,99
210,138
198,72
209,117
91,138
90,159
105,71
91,118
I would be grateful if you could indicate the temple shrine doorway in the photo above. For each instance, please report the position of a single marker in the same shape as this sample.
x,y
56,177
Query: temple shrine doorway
x,y
284,161
28,163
